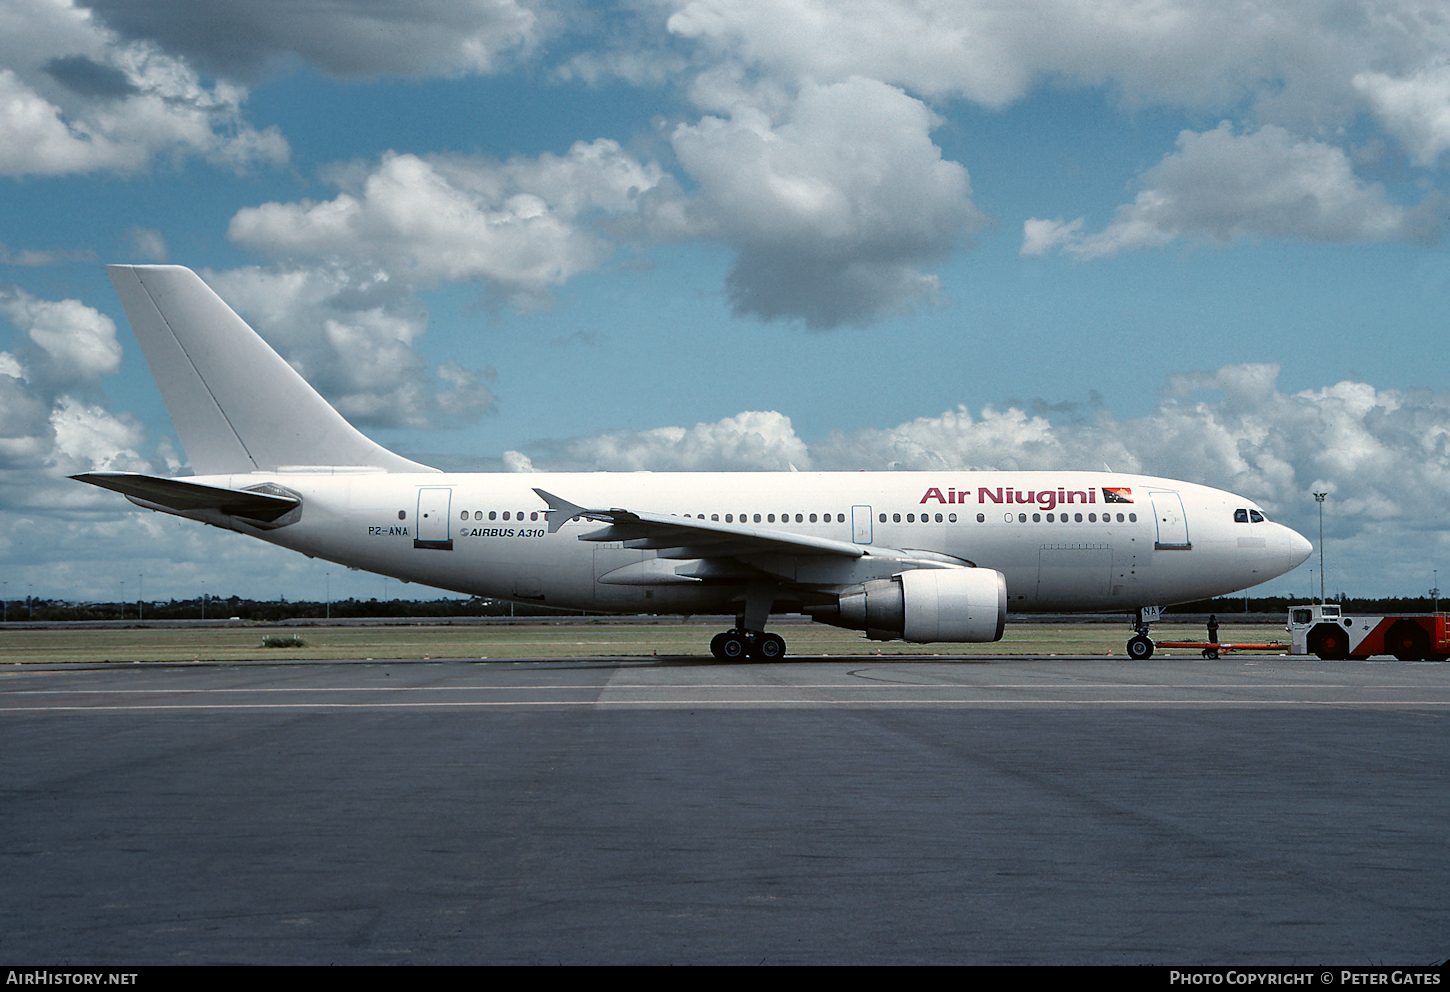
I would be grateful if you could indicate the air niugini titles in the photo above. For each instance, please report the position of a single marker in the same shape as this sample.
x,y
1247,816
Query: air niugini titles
x,y
1043,499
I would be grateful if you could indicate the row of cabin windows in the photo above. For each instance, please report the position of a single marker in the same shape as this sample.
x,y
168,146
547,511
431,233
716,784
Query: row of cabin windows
x,y
770,518
840,518
494,515
1092,518
785,518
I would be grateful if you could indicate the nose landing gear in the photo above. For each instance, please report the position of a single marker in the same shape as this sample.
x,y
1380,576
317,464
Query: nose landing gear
x,y
1140,646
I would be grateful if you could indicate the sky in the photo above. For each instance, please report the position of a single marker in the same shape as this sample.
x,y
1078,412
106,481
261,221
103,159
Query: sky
x,y
1199,240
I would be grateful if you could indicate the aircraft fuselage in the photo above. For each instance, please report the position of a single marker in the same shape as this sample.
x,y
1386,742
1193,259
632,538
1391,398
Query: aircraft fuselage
x,y
1064,541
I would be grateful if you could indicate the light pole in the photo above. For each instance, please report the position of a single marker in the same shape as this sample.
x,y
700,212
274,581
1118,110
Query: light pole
x,y
1435,589
1319,498
141,597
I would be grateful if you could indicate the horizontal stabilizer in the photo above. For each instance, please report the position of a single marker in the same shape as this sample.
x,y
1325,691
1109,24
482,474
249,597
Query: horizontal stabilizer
x,y
179,495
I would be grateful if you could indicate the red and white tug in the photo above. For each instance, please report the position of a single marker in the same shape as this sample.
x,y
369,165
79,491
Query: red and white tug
x,y
1322,630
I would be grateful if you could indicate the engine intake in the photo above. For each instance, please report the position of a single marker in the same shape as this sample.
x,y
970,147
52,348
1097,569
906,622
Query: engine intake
x,y
925,604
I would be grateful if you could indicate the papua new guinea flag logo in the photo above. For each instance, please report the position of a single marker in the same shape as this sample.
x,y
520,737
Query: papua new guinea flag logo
x,y
1117,494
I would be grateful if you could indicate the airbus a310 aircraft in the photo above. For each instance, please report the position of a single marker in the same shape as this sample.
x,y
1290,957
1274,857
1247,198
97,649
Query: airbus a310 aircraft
x,y
919,556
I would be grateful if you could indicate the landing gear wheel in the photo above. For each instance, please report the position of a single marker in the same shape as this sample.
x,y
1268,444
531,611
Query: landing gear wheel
x,y
768,647
729,646
1140,648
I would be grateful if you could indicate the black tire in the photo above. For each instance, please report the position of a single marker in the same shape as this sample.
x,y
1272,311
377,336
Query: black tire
x,y
1140,648
731,646
1329,642
1408,641
768,647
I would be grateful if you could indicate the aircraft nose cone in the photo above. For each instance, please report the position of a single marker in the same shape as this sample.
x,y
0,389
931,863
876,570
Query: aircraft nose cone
x,y
1299,548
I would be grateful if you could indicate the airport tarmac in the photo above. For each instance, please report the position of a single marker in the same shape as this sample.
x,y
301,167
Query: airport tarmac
x,y
1249,810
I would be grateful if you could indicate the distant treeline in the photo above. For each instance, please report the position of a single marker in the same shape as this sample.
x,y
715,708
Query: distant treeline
x,y
212,608
1281,604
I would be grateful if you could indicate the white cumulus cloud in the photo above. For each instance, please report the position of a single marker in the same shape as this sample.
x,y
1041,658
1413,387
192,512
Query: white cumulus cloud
x,y
831,209
519,227
76,342
1415,108
75,97
1292,61
243,38
1221,186
746,442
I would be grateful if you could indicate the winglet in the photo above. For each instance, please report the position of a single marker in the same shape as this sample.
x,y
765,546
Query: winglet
x,y
560,510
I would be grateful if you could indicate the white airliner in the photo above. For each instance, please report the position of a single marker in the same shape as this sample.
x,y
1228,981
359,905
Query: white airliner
x,y
920,556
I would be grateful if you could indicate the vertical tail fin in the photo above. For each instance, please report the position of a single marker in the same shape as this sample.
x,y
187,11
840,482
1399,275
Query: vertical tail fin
x,y
237,406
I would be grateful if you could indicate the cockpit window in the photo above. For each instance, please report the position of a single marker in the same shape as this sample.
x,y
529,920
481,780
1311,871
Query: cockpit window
x,y
1241,516
1256,517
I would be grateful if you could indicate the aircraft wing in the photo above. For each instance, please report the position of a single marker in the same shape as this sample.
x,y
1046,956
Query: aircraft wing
x,y
180,495
690,537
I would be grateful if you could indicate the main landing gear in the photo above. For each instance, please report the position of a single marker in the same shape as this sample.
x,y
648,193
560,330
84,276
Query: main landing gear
x,y
1140,646
737,645
749,639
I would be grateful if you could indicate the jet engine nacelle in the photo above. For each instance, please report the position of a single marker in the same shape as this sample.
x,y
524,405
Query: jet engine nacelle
x,y
925,604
